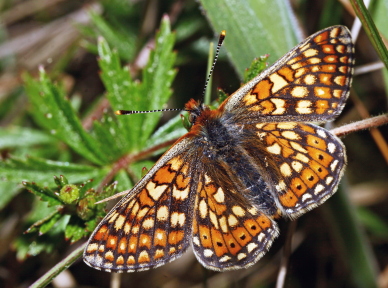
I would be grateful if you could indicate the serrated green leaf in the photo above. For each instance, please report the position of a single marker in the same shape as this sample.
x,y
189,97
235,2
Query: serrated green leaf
x,y
13,137
123,41
49,224
42,171
257,66
108,135
75,229
53,112
152,93
43,193
251,30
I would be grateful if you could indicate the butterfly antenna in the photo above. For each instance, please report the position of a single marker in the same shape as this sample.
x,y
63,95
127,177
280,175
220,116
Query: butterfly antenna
x,y
220,41
128,112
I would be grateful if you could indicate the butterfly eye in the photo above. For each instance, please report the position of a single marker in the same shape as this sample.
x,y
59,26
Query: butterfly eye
x,y
192,118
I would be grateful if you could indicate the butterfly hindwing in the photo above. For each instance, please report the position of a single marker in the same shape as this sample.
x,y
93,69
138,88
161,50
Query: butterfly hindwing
x,y
306,163
228,233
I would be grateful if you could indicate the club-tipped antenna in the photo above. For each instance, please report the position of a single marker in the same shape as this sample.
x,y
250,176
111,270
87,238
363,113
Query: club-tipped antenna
x,y
128,112
220,41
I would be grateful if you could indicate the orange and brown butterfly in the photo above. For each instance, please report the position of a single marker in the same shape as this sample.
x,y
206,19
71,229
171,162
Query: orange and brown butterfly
x,y
255,158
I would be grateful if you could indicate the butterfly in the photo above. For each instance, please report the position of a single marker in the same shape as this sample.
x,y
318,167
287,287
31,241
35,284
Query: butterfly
x,y
257,157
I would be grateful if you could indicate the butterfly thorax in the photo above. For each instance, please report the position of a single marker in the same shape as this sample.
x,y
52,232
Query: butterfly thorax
x,y
222,144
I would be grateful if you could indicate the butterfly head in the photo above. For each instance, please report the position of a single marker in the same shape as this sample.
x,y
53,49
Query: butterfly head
x,y
195,109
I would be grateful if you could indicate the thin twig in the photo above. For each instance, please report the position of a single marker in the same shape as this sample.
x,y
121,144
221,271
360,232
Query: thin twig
x,y
360,125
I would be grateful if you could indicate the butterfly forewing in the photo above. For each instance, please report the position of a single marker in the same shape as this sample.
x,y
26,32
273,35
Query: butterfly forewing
x,y
150,226
310,83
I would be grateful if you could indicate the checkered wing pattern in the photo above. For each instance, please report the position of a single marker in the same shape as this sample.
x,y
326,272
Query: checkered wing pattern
x,y
152,224
310,83
304,163
228,232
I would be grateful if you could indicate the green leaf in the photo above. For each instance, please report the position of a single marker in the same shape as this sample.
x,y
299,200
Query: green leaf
x,y
171,130
377,226
251,30
257,66
44,194
152,93
53,112
13,137
75,229
123,40
42,171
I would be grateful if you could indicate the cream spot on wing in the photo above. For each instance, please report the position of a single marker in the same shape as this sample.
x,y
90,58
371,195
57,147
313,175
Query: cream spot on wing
x,y
321,133
303,107
305,197
251,247
238,211
219,196
223,224
155,191
127,228
213,219
174,219
148,223
225,258
202,209
280,106
92,248
274,149
260,125
180,194
196,241
232,220
208,253
329,180
337,93
331,147
261,237
333,165
253,211
281,186
286,125
119,223
285,169
278,82
302,158
319,188
162,213
297,166
310,52
135,229
241,256
142,212
290,135
310,79
299,92
298,147
159,235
